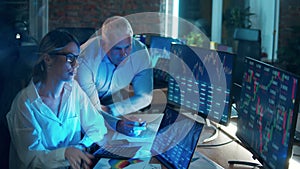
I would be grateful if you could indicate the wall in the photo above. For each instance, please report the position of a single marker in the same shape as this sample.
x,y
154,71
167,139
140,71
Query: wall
x,y
92,13
289,17
288,12
289,35
265,20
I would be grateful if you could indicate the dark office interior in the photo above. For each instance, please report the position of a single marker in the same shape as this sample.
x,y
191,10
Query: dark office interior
x,y
83,18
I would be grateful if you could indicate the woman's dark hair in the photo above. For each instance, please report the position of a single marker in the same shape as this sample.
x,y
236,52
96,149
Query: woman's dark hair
x,y
53,41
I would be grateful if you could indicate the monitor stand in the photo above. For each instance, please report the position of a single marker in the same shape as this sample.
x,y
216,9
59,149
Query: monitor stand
x,y
209,133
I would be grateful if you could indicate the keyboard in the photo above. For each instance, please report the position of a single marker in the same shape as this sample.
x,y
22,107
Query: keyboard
x,y
116,152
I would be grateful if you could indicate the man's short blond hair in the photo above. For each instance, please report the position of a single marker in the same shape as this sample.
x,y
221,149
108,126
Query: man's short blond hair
x,y
115,29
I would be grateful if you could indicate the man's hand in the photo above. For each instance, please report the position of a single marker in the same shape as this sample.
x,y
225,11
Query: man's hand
x,y
131,127
106,109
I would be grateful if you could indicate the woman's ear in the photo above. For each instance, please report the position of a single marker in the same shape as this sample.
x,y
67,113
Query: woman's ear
x,y
47,59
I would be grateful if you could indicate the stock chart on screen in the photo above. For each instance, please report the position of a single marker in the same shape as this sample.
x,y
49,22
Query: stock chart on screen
x,y
267,112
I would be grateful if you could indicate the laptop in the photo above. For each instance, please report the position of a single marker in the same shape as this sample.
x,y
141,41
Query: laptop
x,y
116,152
174,143
176,139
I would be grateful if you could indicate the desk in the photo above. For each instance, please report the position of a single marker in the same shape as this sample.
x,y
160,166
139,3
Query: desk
x,y
231,151
234,151
219,154
153,121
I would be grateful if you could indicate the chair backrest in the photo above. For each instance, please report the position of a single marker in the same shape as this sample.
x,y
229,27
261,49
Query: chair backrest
x,y
249,42
249,45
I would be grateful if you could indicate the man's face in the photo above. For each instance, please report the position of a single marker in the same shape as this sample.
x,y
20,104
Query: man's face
x,y
120,51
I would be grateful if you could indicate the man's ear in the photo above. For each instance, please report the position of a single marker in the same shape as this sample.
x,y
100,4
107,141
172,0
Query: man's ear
x,y
105,46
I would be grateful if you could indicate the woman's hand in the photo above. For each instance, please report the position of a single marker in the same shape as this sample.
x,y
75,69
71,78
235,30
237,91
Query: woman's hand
x,y
78,159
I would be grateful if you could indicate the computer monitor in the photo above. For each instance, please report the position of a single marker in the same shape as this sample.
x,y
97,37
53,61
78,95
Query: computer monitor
x,y
159,53
201,80
142,38
160,47
268,112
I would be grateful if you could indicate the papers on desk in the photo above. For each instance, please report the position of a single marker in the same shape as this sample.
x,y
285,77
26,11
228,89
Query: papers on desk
x,y
126,164
144,166
295,160
117,163
145,136
201,161
143,156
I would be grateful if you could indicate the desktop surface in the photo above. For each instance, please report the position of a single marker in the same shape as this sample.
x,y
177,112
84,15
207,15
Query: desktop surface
x,y
216,154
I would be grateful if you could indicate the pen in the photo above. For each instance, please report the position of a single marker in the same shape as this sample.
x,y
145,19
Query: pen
x,y
142,124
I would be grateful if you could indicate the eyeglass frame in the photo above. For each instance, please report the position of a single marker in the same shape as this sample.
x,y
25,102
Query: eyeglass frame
x,y
70,57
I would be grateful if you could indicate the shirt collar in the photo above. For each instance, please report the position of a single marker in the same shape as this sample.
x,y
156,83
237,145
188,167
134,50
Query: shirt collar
x,y
33,94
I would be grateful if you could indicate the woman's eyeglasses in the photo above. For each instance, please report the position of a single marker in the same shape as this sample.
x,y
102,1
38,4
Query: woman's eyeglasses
x,y
70,57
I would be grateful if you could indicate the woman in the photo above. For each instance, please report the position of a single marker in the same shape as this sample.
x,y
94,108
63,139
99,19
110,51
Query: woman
x,y
49,116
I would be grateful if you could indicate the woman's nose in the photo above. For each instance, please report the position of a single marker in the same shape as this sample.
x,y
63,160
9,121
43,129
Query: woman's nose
x,y
75,64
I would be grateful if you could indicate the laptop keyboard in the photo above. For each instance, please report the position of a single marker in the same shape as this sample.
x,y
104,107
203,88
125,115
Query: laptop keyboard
x,y
116,152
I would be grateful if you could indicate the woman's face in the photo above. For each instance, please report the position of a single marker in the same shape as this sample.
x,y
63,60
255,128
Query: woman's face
x,y
64,63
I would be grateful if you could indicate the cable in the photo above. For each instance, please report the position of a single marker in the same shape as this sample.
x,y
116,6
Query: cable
x,y
214,135
298,155
214,145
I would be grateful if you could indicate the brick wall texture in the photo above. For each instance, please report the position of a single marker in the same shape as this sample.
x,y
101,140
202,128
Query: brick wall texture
x,y
92,13
289,19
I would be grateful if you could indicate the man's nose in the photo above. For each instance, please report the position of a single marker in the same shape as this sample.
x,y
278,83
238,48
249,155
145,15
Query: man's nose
x,y
123,52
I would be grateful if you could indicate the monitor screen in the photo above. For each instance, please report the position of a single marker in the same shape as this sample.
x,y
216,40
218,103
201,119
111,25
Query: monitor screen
x,y
268,112
201,80
141,37
160,47
159,52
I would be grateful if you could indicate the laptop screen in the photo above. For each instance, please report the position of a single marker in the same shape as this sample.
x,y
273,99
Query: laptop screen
x,y
176,139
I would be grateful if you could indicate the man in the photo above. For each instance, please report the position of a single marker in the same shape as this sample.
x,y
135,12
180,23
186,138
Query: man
x,y
110,63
